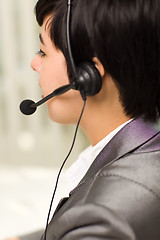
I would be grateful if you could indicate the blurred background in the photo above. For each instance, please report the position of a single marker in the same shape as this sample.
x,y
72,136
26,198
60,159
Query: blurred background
x,y
32,148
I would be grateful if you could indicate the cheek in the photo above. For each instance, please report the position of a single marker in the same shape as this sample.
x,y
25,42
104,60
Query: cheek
x,y
66,108
53,76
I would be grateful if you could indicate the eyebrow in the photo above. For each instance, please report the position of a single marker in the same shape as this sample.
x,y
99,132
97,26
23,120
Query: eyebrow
x,y
41,39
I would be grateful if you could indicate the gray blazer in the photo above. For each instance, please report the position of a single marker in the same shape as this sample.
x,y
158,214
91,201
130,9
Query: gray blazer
x,y
119,197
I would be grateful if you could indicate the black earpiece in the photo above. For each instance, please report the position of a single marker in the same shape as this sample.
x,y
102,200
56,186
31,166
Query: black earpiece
x,y
88,79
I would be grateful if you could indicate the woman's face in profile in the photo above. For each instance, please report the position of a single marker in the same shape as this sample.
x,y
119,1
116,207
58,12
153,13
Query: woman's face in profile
x,y
51,66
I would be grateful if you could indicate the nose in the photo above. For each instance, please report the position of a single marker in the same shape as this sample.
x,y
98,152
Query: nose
x,y
36,64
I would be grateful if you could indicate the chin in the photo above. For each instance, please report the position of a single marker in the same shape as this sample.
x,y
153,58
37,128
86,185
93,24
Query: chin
x,y
61,117
64,112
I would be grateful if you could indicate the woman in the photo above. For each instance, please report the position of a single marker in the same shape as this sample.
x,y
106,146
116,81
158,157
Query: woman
x,y
118,195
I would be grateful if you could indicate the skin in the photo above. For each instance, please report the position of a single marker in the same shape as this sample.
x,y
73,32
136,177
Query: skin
x,y
103,112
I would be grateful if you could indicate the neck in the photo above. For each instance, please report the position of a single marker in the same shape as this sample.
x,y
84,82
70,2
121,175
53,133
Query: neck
x,y
98,128
103,114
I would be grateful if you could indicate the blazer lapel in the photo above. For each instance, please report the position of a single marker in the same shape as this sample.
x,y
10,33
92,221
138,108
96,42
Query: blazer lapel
x,y
60,204
135,134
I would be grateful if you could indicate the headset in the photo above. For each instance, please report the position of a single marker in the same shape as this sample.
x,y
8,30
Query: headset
x,y
86,77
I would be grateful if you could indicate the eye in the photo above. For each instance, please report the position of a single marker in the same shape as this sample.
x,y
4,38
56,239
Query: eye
x,y
41,53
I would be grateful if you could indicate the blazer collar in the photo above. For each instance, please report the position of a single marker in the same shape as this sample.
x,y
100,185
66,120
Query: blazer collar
x,y
135,134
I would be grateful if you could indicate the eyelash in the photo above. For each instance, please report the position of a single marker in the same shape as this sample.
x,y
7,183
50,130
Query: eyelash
x,y
41,53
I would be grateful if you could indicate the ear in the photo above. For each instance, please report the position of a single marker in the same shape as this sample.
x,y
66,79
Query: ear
x,y
99,66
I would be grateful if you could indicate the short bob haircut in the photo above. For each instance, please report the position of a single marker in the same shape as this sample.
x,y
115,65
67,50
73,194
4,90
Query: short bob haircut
x,y
124,35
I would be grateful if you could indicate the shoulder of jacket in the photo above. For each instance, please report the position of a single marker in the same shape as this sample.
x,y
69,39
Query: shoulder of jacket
x,y
137,168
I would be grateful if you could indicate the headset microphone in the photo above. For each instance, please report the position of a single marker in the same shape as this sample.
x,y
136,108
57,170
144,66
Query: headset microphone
x,y
28,107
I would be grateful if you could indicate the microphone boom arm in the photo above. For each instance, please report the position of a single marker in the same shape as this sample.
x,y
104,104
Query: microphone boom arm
x,y
28,107
57,92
